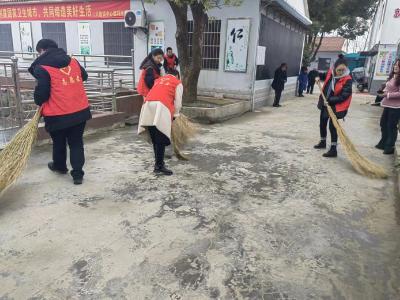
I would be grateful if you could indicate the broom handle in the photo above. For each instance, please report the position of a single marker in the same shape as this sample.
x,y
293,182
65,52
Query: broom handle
x,y
330,110
322,92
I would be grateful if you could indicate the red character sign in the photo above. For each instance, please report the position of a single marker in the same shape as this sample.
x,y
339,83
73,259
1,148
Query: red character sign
x,y
397,13
65,11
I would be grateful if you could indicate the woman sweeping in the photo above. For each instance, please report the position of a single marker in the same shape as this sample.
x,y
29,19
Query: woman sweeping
x,y
391,112
65,106
338,91
161,106
150,71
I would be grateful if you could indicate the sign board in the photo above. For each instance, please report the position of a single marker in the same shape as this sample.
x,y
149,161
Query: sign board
x,y
237,45
397,13
156,35
385,60
25,31
65,11
261,55
84,38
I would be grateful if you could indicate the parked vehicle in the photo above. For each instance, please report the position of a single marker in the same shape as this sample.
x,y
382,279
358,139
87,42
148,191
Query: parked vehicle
x,y
359,76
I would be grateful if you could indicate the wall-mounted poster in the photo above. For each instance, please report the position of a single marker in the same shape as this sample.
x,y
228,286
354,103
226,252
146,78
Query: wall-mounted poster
x,y
237,45
261,55
156,35
84,38
25,30
385,60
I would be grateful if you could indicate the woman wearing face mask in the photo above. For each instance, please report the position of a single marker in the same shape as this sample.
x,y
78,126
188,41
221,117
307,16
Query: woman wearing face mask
x,y
150,71
391,112
338,91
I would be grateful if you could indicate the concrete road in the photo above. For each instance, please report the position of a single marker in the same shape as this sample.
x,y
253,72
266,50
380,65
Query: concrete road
x,y
256,214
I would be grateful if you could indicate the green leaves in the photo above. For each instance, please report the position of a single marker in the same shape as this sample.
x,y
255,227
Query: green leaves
x,y
348,17
208,4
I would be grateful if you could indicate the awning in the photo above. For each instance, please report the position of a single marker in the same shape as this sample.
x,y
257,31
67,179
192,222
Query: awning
x,y
292,11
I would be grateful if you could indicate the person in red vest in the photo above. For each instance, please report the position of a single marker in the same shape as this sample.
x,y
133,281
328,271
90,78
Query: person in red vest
x,y
161,106
171,61
150,71
65,106
338,91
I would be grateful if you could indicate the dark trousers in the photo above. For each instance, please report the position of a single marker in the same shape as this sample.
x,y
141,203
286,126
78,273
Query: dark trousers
x,y
389,121
323,124
160,141
74,137
278,94
300,91
310,87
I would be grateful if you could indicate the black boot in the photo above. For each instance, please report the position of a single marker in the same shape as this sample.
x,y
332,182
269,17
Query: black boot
x,y
389,151
160,165
78,181
331,153
162,171
77,176
321,145
380,145
55,170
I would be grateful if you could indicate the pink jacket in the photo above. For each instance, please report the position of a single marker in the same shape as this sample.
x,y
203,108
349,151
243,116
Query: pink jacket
x,y
393,95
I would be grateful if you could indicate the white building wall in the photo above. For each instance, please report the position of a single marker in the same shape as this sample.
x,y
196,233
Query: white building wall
x,y
236,85
71,31
210,81
375,33
299,5
384,35
391,26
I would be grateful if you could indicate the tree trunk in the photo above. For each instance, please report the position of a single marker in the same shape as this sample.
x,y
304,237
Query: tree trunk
x,y
182,39
315,51
190,68
191,79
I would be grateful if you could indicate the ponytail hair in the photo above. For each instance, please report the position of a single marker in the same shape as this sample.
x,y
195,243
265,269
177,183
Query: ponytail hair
x,y
154,52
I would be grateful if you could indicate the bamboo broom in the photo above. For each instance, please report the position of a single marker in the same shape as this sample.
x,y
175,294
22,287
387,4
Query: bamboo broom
x,y
182,131
362,165
15,155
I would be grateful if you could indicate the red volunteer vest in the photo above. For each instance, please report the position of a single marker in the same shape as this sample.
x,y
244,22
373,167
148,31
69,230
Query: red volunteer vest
x,y
338,89
67,93
170,61
164,91
142,87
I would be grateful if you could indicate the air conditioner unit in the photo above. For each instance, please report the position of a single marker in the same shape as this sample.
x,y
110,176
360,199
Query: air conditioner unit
x,y
135,19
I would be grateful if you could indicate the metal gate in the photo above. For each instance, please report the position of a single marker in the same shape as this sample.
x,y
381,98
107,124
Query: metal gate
x,y
108,75
16,105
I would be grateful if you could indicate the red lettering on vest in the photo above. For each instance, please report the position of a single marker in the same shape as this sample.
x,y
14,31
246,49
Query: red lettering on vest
x,y
164,91
343,106
142,87
171,61
67,93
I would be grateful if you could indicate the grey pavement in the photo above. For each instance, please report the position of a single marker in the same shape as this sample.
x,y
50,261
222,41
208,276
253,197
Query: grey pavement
x,y
256,214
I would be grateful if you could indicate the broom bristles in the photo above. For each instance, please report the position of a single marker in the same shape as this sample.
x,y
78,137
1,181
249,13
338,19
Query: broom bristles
x,y
362,165
182,131
15,155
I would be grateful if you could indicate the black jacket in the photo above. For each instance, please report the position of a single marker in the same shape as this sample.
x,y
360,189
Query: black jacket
x,y
150,66
312,75
333,100
280,79
56,58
